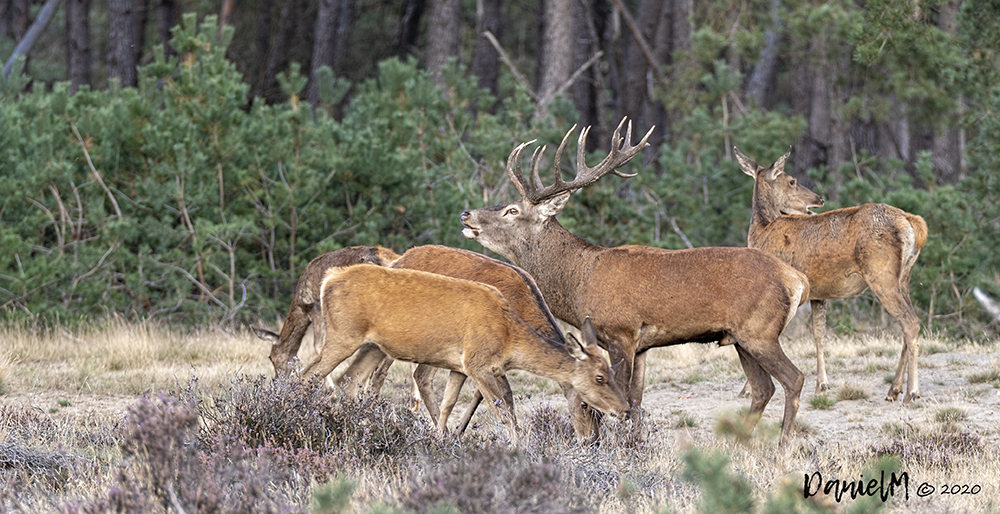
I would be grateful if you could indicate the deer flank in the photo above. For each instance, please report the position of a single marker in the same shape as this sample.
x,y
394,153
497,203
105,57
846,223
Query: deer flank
x,y
641,297
843,252
455,324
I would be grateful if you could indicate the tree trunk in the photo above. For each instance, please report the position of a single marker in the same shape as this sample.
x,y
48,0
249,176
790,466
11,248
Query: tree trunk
x,y
636,87
342,38
322,55
486,60
166,18
20,19
683,25
277,58
121,50
140,19
946,146
442,35
409,26
5,10
557,50
762,78
78,42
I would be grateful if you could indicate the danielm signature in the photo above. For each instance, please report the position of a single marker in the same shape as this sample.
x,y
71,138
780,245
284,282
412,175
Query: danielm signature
x,y
883,487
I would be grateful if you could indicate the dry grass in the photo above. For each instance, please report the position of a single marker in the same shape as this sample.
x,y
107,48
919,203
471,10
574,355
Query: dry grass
x,y
65,394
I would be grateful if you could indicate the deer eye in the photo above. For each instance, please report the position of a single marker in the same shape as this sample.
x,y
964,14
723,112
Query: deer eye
x,y
792,182
599,379
512,211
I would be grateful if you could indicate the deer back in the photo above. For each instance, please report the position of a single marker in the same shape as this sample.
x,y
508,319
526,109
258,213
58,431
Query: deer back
x,y
516,286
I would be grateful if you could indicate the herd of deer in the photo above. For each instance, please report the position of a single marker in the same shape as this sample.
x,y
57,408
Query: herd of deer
x,y
441,307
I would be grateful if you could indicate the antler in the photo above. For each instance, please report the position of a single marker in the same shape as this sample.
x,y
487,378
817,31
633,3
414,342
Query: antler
x,y
621,152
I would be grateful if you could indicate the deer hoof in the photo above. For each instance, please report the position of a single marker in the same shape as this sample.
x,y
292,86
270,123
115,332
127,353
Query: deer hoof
x,y
910,398
822,388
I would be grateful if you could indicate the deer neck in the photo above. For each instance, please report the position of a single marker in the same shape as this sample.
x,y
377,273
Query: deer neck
x,y
763,212
560,263
540,356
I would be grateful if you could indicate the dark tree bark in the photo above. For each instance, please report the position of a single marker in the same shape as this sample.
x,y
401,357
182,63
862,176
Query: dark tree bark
x,y
19,19
121,43
947,144
409,26
326,22
634,93
140,19
166,19
486,61
442,35
344,31
683,25
557,49
5,9
78,42
761,80
277,57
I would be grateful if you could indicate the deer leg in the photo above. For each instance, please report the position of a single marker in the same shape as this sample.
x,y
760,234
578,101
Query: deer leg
x,y
377,379
451,391
635,394
899,308
338,350
775,363
358,374
314,317
467,417
496,391
421,385
761,387
819,330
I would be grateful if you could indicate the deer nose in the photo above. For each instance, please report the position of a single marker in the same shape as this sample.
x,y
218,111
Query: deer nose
x,y
465,216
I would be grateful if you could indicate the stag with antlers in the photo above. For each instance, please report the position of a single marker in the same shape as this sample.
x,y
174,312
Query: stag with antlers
x,y
641,297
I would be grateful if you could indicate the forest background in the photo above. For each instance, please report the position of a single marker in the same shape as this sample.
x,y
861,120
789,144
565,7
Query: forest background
x,y
188,175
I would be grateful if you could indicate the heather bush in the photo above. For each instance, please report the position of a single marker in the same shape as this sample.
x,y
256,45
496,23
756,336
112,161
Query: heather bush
x,y
496,480
296,414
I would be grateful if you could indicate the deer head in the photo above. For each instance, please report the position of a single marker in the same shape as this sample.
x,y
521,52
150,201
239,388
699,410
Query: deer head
x,y
776,193
504,228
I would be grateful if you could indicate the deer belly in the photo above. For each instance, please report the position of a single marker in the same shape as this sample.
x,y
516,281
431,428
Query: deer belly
x,y
851,285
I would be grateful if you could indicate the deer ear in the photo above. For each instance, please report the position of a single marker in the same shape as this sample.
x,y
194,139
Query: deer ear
x,y
575,348
779,165
265,334
746,164
588,332
552,206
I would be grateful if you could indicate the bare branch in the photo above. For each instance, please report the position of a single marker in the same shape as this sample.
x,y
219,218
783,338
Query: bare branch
x,y
510,64
97,174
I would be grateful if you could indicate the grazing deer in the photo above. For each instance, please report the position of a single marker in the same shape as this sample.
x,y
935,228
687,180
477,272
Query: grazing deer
x,y
464,326
843,252
641,297
304,311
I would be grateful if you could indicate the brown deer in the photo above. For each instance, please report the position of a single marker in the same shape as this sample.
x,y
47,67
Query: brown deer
x,y
843,252
516,286
464,326
641,297
304,310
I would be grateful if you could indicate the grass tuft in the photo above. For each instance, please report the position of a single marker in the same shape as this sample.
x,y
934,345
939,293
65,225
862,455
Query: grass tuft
x,y
847,393
822,402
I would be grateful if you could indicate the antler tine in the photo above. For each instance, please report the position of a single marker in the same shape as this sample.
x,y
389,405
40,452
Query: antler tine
x,y
642,144
536,156
514,167
559,152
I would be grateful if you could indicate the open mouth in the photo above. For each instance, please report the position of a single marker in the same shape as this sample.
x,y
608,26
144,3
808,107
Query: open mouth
x,y
470,232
